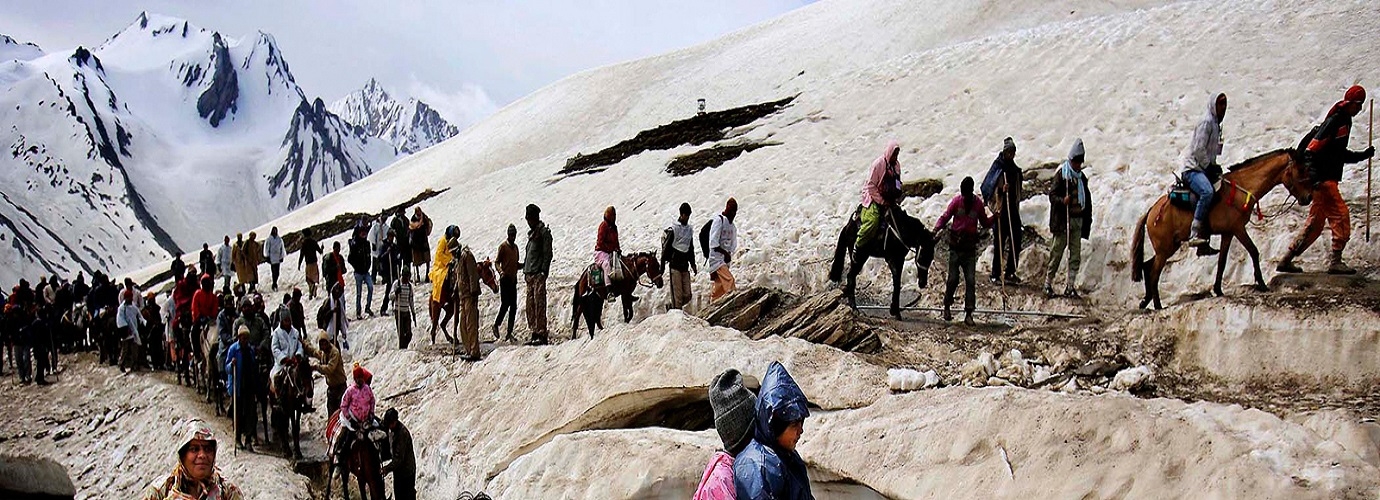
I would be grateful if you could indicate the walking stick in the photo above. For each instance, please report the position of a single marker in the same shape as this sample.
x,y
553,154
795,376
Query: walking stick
x,y
235,406
1370,141
1001,274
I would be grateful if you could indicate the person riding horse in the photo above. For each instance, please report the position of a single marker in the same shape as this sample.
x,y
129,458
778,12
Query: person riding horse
x,y
608,253
881,192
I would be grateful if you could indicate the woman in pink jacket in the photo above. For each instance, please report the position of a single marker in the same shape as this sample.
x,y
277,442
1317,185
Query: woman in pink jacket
x,y
735,410
357,405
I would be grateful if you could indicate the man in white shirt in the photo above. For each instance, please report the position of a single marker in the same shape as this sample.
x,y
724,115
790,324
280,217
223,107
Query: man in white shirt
x,y
286,344
127,320
225,262
723,242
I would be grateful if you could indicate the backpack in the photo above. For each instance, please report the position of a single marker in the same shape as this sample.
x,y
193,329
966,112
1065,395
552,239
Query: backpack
x,y
1308,138
704,237
989,183
323,314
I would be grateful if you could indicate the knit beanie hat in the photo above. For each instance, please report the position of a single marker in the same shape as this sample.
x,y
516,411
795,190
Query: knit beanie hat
x,y
1356,93
1008,144
735,409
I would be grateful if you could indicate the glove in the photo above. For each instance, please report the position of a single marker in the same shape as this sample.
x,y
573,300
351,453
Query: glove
x,y
1370,152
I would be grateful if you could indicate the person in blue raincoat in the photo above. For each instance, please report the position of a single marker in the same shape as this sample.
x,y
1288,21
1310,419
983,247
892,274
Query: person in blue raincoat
x,y
770,468
240,362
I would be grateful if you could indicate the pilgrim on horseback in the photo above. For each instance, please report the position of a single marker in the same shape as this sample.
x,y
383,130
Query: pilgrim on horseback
x,y
880,228
1070,219
353,449
607,254
289,384
1325,155
1166,226
881,192
1202,173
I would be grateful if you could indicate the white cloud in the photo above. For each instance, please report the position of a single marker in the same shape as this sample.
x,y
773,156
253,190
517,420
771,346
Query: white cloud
x,y
463,106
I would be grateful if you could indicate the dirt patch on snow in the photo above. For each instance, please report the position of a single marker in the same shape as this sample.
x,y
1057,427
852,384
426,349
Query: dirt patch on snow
x,y
696,130
693,163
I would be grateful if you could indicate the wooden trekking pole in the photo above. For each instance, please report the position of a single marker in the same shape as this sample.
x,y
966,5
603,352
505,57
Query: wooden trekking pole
x,y
1370,141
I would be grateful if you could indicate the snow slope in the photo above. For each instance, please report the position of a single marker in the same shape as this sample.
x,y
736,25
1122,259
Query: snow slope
x,y
174,136
949,80
411,126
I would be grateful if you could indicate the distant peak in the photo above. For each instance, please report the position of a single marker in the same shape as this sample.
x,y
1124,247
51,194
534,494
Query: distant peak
x,y
142,20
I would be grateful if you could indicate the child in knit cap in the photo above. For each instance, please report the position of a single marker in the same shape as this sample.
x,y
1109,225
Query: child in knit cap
x,y
735,410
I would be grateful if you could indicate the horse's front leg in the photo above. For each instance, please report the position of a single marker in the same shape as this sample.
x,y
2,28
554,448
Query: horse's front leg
x,y
1251,250
1221,265
851,287
628,308
897,266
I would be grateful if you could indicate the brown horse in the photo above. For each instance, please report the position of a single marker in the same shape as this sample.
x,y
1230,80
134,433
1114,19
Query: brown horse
x,y
589,300
288,393
1242,187
361,460
449,297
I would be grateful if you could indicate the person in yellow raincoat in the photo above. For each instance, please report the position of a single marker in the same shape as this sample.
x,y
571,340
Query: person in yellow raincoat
x,y
441,262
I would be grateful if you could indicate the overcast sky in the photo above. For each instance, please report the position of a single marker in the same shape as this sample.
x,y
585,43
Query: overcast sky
x,y
465,57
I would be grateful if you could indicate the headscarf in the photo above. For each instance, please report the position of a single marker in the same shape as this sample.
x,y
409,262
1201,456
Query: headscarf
x,y
1067,172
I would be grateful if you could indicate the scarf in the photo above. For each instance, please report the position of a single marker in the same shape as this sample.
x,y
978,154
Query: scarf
x,y
1066,171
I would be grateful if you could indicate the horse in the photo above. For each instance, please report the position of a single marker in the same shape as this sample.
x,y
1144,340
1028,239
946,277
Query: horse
x,y
589,299
449,297
215,383
1242,187
902,235
361,460
287,393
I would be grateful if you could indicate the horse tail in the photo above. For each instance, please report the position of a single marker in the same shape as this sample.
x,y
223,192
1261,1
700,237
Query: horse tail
x,y
842,248
1138,250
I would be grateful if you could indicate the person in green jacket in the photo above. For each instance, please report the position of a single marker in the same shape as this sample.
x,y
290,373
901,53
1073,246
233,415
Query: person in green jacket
x,y
535,269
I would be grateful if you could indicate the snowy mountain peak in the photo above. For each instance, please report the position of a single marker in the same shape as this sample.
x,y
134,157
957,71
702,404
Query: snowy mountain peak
x,y
157,26
411,127
11,50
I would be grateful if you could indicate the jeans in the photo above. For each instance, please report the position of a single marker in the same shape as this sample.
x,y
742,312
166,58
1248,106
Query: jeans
x,y
366,280
966,262
507,293
1198,182
22,354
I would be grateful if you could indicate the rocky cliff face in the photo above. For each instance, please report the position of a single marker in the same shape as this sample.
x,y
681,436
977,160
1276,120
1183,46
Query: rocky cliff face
x,y
411,126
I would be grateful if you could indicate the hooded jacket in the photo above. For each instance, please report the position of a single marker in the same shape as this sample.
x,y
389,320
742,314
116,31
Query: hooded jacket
x,y
883,178
1328,152
1207,140
764,470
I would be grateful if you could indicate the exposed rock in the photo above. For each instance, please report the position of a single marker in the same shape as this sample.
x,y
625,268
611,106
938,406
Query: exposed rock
x,y
822,318
31,477
922,188
218,100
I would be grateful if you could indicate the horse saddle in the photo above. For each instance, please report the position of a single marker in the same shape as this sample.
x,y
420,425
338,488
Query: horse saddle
x,y
1182,196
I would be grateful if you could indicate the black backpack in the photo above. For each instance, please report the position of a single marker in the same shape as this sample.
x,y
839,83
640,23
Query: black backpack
x,y
704,237
323,314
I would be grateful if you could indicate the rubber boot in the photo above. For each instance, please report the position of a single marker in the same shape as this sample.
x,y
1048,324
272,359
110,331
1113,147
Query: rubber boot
x,y
1336,266
1200,240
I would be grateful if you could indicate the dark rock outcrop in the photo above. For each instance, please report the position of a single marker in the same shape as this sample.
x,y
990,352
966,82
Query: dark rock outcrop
x,y
822,318
218,100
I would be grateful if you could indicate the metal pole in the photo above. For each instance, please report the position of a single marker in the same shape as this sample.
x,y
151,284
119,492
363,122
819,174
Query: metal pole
x,y
981,311
1370,141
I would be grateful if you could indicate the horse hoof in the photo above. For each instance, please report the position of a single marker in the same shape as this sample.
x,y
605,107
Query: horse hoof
x,y
1143,304
1218,293
1261,287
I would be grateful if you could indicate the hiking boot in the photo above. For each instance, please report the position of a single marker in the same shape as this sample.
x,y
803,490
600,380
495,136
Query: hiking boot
x,y
1012,279
1049,290
1071,292
1336,266
968,319
995,279
948,314
1286,265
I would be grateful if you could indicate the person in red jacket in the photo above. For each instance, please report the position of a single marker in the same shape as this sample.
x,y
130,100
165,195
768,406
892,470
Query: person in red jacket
x,y
1325,156
606,248
205,304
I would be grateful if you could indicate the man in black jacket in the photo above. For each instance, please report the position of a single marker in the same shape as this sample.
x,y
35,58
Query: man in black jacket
x,y
361,257
1325,155
404,463
1070,219
1002,193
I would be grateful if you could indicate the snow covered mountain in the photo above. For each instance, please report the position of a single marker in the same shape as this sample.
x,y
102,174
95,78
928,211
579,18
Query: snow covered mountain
x,y
411,126
163,137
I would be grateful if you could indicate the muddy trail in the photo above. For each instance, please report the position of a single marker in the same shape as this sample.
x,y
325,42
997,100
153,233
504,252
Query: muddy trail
x,y
1307,345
